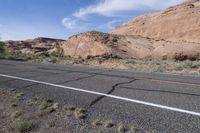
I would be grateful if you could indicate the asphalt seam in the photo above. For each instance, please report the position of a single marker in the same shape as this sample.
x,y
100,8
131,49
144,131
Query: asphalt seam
x,y
76,79
110,92
81,78
54,74
156,90
129,77
48,74
169,81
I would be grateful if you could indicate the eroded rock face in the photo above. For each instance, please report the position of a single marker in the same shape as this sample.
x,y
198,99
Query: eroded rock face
x,y
100,44
128,46
86,44
176,50
34,46
178,23
170,34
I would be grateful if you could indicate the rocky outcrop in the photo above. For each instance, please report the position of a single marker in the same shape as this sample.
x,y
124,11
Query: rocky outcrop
x,y
169,34
101,44
34,46
177,23
128,46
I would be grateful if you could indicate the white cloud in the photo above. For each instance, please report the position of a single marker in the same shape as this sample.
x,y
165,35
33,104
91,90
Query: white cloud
x,y
76,25
111,24
70,23
117,7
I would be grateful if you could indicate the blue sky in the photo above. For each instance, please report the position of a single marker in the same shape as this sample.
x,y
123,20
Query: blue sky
x,y
25,19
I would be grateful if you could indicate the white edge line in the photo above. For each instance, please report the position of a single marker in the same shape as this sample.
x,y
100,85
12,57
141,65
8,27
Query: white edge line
x,y
107,95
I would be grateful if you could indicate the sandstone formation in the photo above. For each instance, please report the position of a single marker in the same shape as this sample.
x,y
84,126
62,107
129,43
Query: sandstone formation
x,y
104,44
128,46
34,46
178,23
169,34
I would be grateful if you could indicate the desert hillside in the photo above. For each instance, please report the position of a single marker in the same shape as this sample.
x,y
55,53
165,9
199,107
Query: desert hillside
x,y
169,34
128,46
34,46
104,44
177,23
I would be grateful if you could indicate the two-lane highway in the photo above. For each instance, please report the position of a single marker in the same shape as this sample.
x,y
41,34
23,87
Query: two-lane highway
x,y
152,101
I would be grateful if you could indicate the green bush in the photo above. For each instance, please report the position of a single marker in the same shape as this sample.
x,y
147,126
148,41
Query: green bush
x,y
58,53
25,126
2,47
16,56
53,59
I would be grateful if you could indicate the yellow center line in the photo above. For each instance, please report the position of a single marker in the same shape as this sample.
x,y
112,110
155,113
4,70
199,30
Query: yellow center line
x,y
168,81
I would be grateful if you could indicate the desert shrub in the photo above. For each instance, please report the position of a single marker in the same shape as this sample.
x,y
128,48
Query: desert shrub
x,y
121,128
191,64
131,61
16,114
80,113
69,107
45,54
18,56
2,47
90,57
53,59
25,126
108,124
116,57
114,40
58,53
78,60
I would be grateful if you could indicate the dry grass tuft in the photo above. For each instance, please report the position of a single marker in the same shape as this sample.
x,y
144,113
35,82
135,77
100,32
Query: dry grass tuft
x,y
14,105
69,107
80,113
108,124
134,129
97,123
16,114
121,128
18,95
25,126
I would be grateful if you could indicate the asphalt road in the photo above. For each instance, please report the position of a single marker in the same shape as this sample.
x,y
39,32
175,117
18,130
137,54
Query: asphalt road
x,y
152,101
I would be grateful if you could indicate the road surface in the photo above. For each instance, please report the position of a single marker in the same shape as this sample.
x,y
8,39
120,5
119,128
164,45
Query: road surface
x,y
152,101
